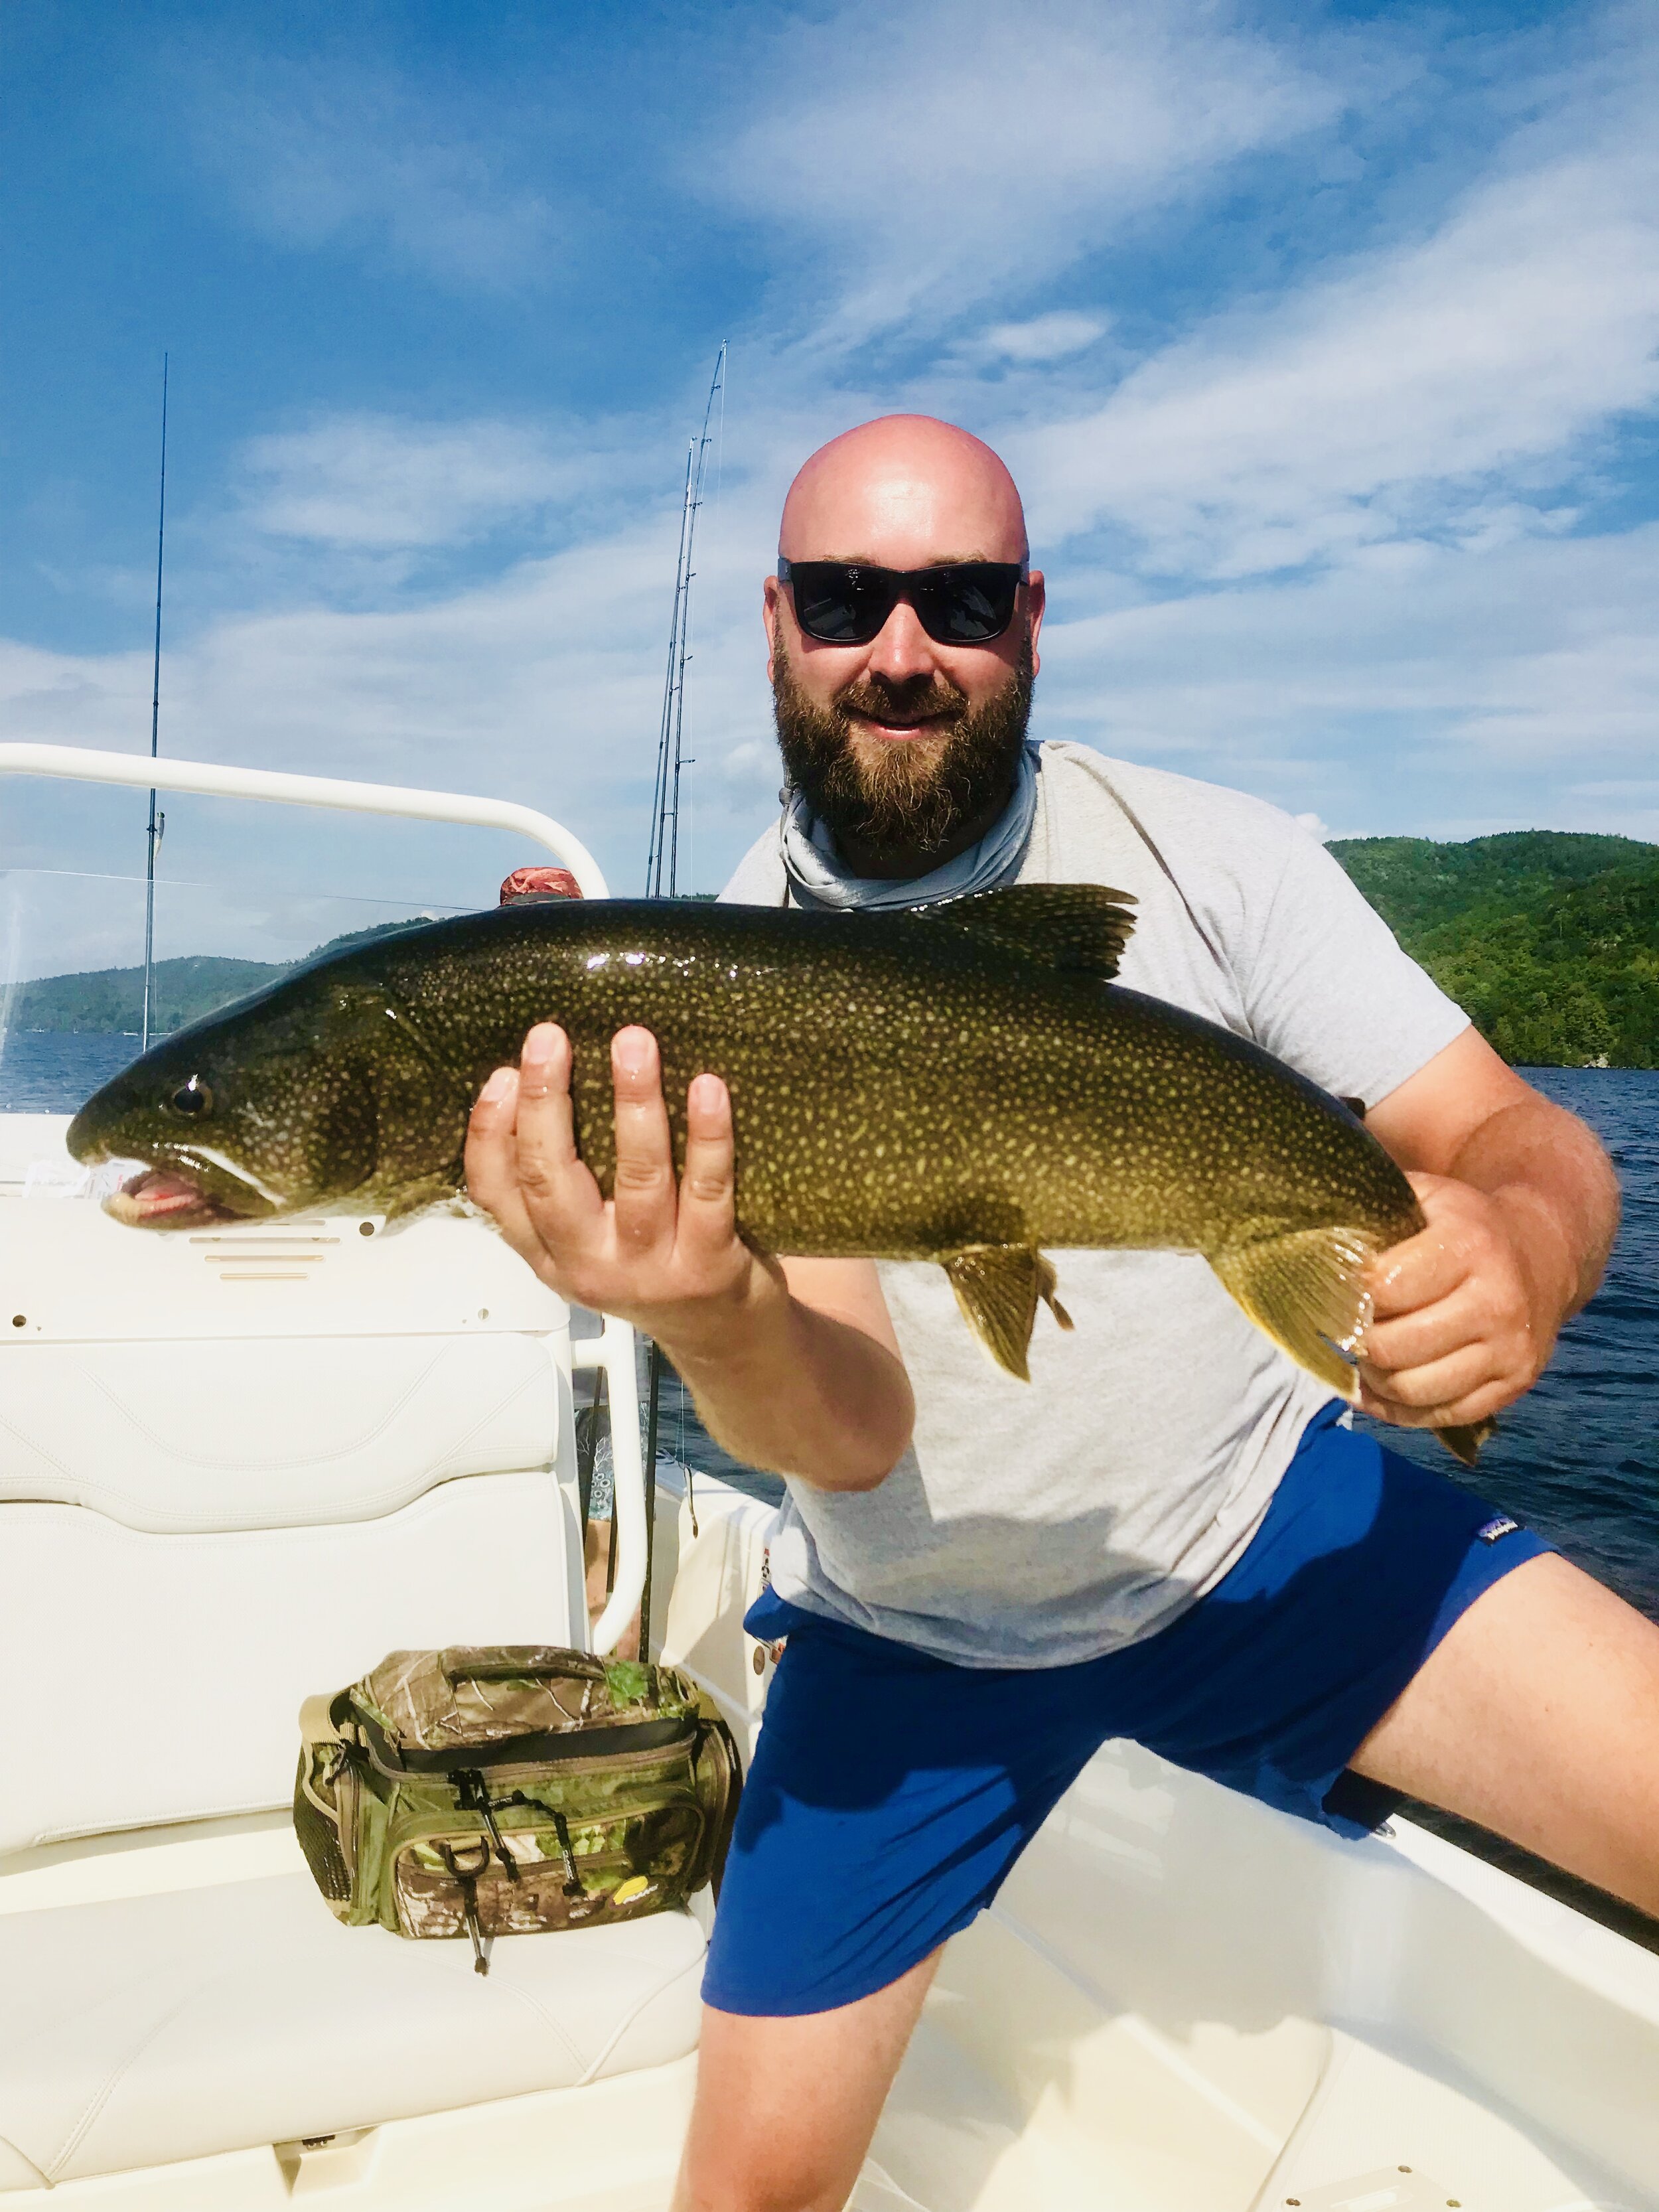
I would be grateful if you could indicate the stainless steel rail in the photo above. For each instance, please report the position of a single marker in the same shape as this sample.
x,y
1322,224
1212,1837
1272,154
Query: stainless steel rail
x,y
209,780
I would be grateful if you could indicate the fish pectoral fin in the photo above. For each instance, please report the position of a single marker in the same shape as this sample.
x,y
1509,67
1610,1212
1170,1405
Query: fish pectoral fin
x,y
1306,1290
998,1287
420,1197
1079,927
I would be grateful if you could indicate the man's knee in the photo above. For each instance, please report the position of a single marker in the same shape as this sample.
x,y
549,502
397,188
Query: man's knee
x,y
786,2106
1538,1716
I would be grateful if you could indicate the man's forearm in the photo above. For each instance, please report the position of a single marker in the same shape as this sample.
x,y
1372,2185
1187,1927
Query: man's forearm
x,y
801,1392
1557,1187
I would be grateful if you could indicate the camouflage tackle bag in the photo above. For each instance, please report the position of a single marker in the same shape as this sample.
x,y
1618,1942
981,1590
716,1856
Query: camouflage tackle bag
x,y
500,1791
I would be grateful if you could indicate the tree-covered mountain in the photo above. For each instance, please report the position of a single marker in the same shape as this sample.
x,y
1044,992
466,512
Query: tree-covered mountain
x,y
1550,940
109,1001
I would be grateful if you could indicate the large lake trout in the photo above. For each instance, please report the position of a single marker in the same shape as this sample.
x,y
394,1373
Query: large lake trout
x,y
963,1084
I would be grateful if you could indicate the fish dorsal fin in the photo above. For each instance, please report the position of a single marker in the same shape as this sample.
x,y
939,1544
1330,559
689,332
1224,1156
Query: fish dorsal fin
x,y
1080,928
998,1286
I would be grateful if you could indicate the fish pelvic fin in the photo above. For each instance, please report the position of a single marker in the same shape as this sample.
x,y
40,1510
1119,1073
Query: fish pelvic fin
x,y
1306,1290
998,1287
1079,927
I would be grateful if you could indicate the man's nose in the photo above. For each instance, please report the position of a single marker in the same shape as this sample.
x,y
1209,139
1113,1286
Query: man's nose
x,y
904,651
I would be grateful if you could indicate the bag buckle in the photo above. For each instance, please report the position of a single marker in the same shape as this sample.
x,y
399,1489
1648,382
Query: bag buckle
x,y
467,1880
474,1793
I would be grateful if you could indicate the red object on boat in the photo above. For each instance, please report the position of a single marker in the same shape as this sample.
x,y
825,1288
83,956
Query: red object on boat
x,y
531,884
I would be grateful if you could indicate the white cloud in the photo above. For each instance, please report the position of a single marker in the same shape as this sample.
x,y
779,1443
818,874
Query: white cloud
x,y
749,763
1041,338
943,153
1389,397
1409,686
380,483
335,155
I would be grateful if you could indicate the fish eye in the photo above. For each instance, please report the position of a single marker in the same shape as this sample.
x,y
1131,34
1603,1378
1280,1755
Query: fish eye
x,y
193,1098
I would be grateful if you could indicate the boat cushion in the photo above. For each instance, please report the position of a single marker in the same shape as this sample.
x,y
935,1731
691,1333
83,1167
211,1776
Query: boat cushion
x,y
154,2028
174,1666
270,1433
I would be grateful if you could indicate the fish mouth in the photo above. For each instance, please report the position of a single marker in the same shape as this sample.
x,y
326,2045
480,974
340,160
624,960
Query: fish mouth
x,y
169,1198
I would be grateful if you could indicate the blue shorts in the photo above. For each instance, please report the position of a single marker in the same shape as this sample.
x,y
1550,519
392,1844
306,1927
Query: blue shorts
x,y
891,1791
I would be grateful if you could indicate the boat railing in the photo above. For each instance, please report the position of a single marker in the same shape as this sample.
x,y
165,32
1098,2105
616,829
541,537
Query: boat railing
x,y
211,780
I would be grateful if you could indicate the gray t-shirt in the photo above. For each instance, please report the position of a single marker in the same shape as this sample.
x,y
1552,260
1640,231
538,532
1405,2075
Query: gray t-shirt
x,y
1031,1525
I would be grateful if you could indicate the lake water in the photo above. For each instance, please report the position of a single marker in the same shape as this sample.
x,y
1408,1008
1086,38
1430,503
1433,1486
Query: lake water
x,y
55,1071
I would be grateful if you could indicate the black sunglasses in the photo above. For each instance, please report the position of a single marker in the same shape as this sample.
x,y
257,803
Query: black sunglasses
x,y
960,603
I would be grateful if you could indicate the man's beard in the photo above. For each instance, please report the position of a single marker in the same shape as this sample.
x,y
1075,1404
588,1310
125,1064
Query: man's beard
x,y
913,796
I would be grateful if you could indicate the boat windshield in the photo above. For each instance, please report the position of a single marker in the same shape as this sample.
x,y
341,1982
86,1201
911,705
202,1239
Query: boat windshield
x,y
72,966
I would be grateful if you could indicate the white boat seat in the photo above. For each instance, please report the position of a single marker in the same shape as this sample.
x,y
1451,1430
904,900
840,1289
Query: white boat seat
x,y
177,1664
239,1379
297,1433
238,1467
174,2027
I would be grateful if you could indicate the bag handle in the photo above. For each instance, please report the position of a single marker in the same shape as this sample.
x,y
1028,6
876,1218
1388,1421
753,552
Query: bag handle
x,y
582,1664
318,1723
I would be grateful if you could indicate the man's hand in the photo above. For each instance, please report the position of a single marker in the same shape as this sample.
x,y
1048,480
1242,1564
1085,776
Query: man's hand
x,y
664,1255
1466,1311
805,1379
1521,1204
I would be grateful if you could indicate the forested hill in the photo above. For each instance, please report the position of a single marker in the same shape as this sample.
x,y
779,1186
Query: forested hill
x,y
1550,940
109,1001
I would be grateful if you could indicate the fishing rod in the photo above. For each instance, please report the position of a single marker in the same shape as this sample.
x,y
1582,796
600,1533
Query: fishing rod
x,y
662,860
158,822
662,870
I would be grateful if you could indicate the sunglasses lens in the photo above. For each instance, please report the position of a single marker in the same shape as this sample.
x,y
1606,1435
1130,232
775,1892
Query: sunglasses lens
x,y
968,605
838,603
967,602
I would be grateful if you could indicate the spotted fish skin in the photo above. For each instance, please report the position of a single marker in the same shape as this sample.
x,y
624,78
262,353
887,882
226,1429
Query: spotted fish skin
x,y
959,1084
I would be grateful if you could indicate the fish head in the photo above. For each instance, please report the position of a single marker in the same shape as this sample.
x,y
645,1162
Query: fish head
x,y
271,1107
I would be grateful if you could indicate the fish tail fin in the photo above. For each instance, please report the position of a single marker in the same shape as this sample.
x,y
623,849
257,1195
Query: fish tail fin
x,y
998,1287
1306,1290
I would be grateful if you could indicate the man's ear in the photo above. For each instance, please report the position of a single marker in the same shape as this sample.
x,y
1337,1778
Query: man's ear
x,y
1037,598
769,598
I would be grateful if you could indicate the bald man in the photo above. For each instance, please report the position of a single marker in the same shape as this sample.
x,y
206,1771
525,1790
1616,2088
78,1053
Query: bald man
x,y
1170,1533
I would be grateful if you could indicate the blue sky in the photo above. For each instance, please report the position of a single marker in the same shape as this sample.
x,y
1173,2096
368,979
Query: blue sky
x,y
1322,341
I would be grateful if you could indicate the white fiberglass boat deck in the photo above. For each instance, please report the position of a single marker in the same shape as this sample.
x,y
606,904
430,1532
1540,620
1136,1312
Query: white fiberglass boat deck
x,y
238,1467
